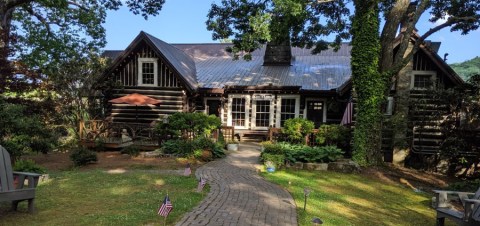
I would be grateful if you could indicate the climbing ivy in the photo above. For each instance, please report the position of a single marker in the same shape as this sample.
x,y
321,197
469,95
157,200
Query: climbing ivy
x,y
367,82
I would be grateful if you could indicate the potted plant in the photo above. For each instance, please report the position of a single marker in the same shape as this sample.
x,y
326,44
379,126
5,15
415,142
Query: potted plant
x,y
232,145
270,166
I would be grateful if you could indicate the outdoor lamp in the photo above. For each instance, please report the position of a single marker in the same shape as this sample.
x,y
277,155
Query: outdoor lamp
x,y
306,192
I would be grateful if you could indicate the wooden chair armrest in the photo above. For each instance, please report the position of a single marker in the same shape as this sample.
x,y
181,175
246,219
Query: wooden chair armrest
x,y
453,192
472,201
32,178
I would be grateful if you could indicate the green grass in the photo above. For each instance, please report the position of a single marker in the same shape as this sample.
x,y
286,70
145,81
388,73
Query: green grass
x,y
349,199
98,198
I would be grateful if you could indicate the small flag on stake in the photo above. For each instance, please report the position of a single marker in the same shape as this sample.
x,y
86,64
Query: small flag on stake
x,y
201,184
188,171
166,207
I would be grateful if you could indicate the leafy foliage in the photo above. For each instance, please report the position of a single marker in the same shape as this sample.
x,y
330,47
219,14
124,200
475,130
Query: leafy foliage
x,y
189,147
29,166
82,156
199,124
302,23
333,135
131,150
297,129
465,186
23,132
278,160
300,153
468,68
461,125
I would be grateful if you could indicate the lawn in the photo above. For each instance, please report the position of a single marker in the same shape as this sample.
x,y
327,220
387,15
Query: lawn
x,y
353,199
96,197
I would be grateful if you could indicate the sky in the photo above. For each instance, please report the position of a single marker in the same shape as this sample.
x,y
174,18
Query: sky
x,y
183,21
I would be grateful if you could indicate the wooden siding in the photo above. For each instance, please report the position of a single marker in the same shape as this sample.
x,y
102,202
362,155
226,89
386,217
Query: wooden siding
x,y
127,72
172,101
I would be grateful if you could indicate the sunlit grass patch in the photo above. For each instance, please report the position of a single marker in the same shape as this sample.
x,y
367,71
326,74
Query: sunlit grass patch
x,y
99,198
351,199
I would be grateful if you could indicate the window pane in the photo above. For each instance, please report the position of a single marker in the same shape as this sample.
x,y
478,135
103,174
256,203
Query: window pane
x,y
148,76
262,113
238,111
422,81
287,110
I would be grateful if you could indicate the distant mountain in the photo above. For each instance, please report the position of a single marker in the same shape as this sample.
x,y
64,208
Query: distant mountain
x,y
467,68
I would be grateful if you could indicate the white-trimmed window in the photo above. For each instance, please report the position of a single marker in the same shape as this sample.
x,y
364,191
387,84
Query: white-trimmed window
x,y
147,72
288,107
262,111
423,80
238,111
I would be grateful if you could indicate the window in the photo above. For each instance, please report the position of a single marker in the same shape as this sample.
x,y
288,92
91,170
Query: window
x,y
262,113
238,112
423,80
147,72
287,110
288,106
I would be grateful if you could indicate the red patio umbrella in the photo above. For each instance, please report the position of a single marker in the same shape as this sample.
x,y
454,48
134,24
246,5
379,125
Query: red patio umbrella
x,y
135,99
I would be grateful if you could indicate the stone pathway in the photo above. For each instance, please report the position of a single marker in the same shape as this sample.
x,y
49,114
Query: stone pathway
x,y
239,196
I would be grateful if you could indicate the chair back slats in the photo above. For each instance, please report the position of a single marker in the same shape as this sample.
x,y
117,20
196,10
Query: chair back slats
x,y
6,173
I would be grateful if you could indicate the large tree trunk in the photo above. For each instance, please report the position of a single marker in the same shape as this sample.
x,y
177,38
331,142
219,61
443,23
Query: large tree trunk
x,y
367,83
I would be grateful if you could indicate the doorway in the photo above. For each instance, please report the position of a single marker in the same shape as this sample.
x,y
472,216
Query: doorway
x,y
315,112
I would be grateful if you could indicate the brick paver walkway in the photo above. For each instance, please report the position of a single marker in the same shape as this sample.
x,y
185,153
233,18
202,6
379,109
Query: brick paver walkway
x,y
239,196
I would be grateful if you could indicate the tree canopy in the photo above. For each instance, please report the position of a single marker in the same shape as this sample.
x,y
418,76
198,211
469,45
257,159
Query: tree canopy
x,y
302,23
39,33
379,53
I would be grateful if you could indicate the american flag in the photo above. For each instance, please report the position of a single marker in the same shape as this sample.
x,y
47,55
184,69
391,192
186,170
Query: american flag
x,y
201,184
348,115
188,171
165,208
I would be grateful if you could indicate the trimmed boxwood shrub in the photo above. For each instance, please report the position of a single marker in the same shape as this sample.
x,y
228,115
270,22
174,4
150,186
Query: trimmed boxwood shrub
x,y
82,156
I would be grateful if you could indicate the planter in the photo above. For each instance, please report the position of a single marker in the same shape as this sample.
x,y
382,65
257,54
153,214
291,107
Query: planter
x,y
270,169
232,147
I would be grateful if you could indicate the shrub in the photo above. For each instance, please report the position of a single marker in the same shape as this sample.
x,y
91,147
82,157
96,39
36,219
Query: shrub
x,y
23,131
296,129
333,135
218,151
28,165
277,160
131,150
179,147
273,148
302,153
466,186
198,123
82,156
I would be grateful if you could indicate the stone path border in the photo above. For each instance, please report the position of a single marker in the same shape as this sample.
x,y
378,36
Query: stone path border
x,y
239,196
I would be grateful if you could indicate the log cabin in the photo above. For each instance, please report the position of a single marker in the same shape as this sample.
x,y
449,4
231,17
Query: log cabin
x,y
280,82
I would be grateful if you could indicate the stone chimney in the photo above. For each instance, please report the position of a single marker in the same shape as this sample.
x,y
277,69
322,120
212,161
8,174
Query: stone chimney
x,y
278,54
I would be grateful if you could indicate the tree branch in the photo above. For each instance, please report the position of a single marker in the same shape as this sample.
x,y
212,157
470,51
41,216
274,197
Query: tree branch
x,y
77,5
39,18
15,3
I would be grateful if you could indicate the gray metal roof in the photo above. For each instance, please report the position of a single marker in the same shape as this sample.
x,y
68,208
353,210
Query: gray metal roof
x,y
182,62
210,66
216,69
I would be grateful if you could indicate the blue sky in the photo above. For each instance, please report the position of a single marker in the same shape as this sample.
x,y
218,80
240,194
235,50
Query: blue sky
x,y
183,21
